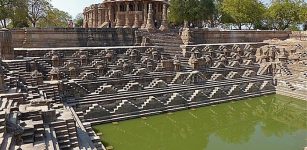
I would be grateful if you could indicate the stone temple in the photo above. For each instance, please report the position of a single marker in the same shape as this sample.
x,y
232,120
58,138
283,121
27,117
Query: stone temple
x,y
55,84
127,14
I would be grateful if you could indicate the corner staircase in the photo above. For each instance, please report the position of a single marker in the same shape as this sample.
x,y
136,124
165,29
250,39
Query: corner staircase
x,y
171,41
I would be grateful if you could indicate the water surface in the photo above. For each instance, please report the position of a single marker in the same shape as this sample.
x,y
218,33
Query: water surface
x,y
271,122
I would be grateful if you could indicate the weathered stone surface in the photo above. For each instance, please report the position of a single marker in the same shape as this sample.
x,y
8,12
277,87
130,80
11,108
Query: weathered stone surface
x,y
6,45
72,37
200,36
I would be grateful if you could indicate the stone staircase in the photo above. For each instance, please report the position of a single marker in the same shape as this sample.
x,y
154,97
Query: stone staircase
x,y
234,90
50,92
66,133
251,87
132,86
290,86
157,83
170,41
217,93
105,89
198,95
18,66
286,70
176,99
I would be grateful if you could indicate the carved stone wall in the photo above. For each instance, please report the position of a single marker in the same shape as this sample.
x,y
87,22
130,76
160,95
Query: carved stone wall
x,y
72,37
201,36
6,49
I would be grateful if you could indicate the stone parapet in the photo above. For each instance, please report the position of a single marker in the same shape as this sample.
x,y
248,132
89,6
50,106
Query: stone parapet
x,y
201,36
72,37
6,49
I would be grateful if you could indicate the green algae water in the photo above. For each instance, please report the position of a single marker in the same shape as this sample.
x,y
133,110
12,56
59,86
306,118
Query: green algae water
x,y
271,122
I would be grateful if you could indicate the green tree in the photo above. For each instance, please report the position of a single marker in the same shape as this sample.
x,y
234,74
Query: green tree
x,y
208,11
184,10
284,13
37,9
242,12
19,19
6,11
79,20
54,18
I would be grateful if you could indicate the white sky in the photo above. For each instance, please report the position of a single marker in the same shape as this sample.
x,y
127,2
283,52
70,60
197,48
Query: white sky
x,y
73,7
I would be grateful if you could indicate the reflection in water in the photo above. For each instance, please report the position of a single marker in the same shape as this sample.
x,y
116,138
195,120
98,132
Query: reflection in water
x,y
253,122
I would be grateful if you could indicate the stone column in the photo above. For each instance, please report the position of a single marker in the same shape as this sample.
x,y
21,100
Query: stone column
x,y
164,26
127,24
136,16
102,16
111,15
95,16
150,26
99,16
85,18
91,25
6,48
118,21
144,15
106,15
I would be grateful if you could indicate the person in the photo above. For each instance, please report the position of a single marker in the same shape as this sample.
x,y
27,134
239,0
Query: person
x,y
70,24
156,23
110,25
180,30
191,25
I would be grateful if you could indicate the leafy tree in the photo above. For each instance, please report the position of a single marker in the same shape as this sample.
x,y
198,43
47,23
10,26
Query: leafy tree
x,y
79,20
37,9
184,10
19,19
242,12
283,13
208,11
6,11
54,18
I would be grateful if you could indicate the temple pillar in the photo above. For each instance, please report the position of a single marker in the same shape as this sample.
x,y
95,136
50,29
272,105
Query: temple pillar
x,y
164,26
136,16
102,16
92,18
127,24
112,18
95,16
85,18
99,17
106,15
144,15
111,15
150,26
118,19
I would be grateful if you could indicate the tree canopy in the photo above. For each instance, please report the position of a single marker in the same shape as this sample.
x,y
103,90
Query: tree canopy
x,y
191,10
283,13
37,13
79,20
279,14
54,18
243,11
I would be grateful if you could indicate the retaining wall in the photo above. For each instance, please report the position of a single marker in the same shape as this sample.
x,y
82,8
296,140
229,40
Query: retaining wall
x,y
201,36
72,37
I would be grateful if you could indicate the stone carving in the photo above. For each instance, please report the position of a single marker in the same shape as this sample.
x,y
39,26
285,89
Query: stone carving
x,y
150,26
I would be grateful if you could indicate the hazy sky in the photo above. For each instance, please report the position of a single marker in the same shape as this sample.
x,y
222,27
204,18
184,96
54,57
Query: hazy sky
x,y
73,7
